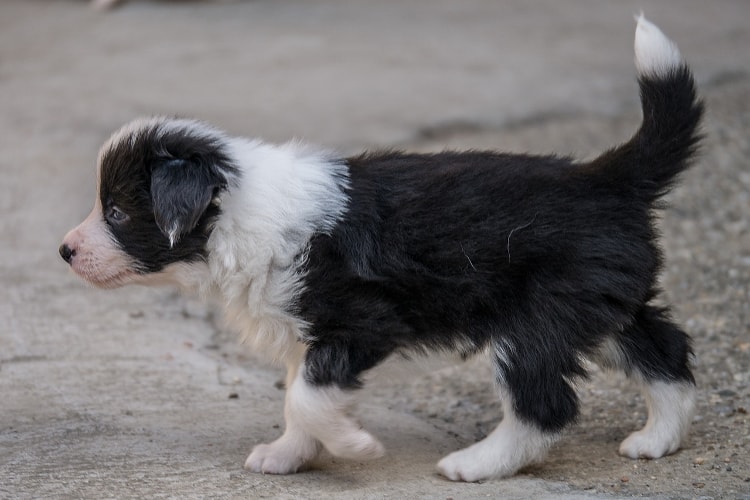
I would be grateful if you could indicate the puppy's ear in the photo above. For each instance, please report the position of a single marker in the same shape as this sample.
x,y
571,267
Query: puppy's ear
x,y
181,192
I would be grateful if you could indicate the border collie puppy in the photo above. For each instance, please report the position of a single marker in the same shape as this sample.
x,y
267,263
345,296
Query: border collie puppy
x,y
331,265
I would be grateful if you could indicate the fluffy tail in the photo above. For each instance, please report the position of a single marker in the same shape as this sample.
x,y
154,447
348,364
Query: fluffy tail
x,y
668,136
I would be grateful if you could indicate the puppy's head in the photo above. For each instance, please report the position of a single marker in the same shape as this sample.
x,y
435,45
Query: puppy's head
x,y
159,185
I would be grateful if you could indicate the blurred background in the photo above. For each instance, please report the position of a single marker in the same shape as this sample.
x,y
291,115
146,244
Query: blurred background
x,y
126,392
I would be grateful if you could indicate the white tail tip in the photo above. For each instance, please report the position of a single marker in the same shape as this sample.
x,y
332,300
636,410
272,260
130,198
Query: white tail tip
x,y
655,54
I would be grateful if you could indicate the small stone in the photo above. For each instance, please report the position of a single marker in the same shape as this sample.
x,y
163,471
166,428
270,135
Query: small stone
x,y
699,485
724,410
624,479
699,460
234,395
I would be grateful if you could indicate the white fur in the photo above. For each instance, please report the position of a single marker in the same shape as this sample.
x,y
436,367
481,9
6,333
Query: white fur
x,y
655,54
130,132
314,414
670,409
670,412
97,259
503,350
609,356
292,450
284,196
322,412
286,455
512,445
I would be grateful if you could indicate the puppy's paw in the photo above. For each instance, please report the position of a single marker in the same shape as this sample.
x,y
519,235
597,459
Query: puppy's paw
x,y
464,466
356,445
280,457
267,459
645,444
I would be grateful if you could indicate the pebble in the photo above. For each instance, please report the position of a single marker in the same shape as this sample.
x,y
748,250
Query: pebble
x,y
727,393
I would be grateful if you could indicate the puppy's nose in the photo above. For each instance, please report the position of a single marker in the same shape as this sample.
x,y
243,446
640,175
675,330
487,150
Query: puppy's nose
x,y
66,252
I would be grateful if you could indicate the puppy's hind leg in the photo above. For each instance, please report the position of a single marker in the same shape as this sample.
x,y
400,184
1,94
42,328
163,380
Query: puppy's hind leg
x,y
670,410
654,351
537,404
513,444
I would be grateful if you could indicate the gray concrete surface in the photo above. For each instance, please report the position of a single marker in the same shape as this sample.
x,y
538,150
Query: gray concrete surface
x,y
141,393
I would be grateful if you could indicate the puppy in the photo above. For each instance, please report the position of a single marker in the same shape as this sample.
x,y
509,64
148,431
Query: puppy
x,y
330,265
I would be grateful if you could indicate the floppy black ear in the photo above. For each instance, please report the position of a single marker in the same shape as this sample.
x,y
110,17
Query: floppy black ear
x,y
181,192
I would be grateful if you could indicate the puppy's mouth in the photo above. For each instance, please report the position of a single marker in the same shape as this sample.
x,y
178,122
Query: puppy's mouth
x,y
103,276
107,281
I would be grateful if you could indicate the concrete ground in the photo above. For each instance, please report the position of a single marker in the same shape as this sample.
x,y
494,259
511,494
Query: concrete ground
x,y
142,393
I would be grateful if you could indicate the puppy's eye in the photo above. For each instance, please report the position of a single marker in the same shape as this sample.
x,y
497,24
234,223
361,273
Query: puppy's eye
x,y
114,214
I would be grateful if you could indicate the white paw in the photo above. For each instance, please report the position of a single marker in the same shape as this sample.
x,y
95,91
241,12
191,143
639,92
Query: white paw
x,y
509,447
357,445
279,457
670,410
463,466
644,444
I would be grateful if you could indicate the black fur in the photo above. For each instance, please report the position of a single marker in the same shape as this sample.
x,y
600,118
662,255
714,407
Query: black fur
x,y
165,178
540,257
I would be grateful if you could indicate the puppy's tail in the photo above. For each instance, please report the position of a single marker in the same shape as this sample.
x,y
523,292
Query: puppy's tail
x,y
668,137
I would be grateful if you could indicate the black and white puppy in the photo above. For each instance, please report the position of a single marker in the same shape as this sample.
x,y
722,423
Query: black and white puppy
x,y
331,265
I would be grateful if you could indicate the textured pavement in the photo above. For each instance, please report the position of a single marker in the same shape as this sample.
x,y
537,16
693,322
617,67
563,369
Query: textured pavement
x,y
141,393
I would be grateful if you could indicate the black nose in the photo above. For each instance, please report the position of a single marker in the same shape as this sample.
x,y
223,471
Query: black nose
x,y
66,253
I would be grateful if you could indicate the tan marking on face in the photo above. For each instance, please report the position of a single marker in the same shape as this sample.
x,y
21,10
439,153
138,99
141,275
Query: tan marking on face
x,y
97,258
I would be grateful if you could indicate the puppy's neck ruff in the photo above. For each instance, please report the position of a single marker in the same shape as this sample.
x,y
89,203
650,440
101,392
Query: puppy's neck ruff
x,y
284,196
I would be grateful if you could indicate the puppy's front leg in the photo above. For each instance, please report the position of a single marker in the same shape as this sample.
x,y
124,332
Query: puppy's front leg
x,y
293,449
314,415
321,411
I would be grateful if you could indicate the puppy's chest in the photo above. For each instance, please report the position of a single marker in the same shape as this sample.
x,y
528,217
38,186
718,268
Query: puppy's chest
x,y
260,314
